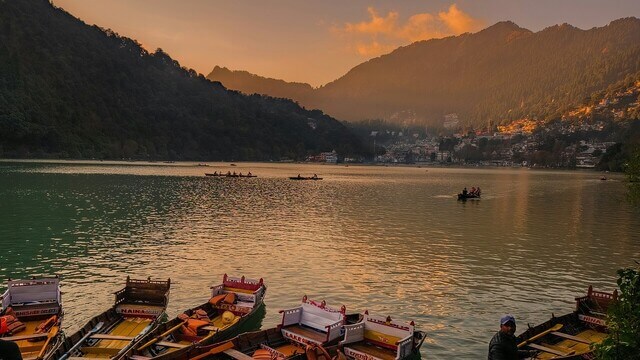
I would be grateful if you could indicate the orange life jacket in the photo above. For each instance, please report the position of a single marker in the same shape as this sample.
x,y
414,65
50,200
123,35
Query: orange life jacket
x,y
3,326
194,324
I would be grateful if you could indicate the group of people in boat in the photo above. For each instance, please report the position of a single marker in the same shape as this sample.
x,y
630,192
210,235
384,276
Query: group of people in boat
x,y
229,173
474,191
315,176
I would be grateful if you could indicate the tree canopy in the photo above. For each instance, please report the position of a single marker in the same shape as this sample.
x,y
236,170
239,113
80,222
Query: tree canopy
x,y
76,91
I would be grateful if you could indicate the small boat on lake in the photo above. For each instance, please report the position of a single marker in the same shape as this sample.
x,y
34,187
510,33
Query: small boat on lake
x,y
234,175
138,308
235,305
31,316
465,197
571,336
381,338
314,177
310,331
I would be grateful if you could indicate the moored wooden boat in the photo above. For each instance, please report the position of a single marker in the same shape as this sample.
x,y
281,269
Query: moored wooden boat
x,y
273,343
380,338
571,336
31,316
138,308
236,305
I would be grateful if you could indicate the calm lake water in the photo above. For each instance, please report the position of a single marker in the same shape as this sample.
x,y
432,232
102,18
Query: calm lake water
x,y
392,240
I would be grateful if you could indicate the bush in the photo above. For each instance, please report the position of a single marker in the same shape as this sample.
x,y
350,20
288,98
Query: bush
x,y
623,341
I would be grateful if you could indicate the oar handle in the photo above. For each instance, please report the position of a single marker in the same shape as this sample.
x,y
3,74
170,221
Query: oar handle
x,y
556,327
159,337
52,332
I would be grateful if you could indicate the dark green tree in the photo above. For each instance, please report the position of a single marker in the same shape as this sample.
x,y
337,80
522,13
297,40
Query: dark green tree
x,y
623,342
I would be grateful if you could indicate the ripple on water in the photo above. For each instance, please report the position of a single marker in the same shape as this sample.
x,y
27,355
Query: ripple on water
x,y
391,240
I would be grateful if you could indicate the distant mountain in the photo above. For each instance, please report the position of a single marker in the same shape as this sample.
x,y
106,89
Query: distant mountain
x,y
72,90
501,73
253,84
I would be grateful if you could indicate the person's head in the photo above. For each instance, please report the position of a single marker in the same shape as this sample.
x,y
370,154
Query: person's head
x,y
508,324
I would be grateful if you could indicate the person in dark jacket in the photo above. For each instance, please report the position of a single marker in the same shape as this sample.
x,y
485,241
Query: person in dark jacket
x,y
503,344
9,351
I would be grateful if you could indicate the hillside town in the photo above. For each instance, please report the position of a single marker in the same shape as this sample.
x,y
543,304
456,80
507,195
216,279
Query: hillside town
x,y
577,139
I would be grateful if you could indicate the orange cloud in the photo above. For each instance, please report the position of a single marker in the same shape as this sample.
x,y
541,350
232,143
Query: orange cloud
x,y
381,34
459,22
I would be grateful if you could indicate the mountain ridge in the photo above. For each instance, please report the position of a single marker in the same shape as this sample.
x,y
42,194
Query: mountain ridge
x,y
72,90
501,73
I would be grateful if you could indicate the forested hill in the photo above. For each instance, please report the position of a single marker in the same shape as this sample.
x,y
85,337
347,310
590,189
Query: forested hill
x,y
501,73
72,90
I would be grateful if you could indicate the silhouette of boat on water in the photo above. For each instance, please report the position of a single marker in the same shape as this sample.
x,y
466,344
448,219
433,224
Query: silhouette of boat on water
x,y
231,175
465,197
314,177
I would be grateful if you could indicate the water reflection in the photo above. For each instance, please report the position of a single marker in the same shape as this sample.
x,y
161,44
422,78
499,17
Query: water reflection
x,y
391,240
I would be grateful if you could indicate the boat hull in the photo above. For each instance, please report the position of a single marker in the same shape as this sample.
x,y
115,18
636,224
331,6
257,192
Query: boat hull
x,y
138,308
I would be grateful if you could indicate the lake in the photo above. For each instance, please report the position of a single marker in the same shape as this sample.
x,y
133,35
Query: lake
x,y
392,240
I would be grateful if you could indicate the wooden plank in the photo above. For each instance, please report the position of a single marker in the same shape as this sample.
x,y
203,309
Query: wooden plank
x,y
210,328
549,350
571,337
96,350
24,337
237,354
111,337
170,344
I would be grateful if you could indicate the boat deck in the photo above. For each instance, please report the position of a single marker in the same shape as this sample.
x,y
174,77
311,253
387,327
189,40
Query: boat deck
x,y
569,345
30,348
106,348
307,332
372,350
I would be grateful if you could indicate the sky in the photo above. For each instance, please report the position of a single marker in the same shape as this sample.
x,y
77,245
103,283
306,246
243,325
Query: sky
x,y
318,41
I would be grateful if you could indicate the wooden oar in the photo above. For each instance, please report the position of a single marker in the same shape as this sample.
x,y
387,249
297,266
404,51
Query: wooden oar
x,y
50,335
82,340
216,350
556,327
159,337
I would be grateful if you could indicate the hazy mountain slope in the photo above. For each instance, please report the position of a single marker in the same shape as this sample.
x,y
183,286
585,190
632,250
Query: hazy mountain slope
x,y
253,84
68,89
500,73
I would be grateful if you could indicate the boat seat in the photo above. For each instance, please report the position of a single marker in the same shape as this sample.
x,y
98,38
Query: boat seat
x,y
171,345
111,337
237,354
571,337
550,350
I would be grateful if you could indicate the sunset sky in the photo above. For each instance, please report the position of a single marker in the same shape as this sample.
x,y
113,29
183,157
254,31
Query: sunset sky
x,y
318,41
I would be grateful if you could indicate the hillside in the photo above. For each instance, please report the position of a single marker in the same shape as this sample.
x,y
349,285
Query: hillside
x,y
499,74
72,90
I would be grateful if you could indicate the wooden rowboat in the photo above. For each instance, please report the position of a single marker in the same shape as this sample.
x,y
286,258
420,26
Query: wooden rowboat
x,y
381,338
32,311
138,308
304,178
466,197
571,336
231,175
236,305
263,345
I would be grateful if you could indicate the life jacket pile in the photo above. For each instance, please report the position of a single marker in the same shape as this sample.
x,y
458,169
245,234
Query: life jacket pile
x,y
194,323
9,323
